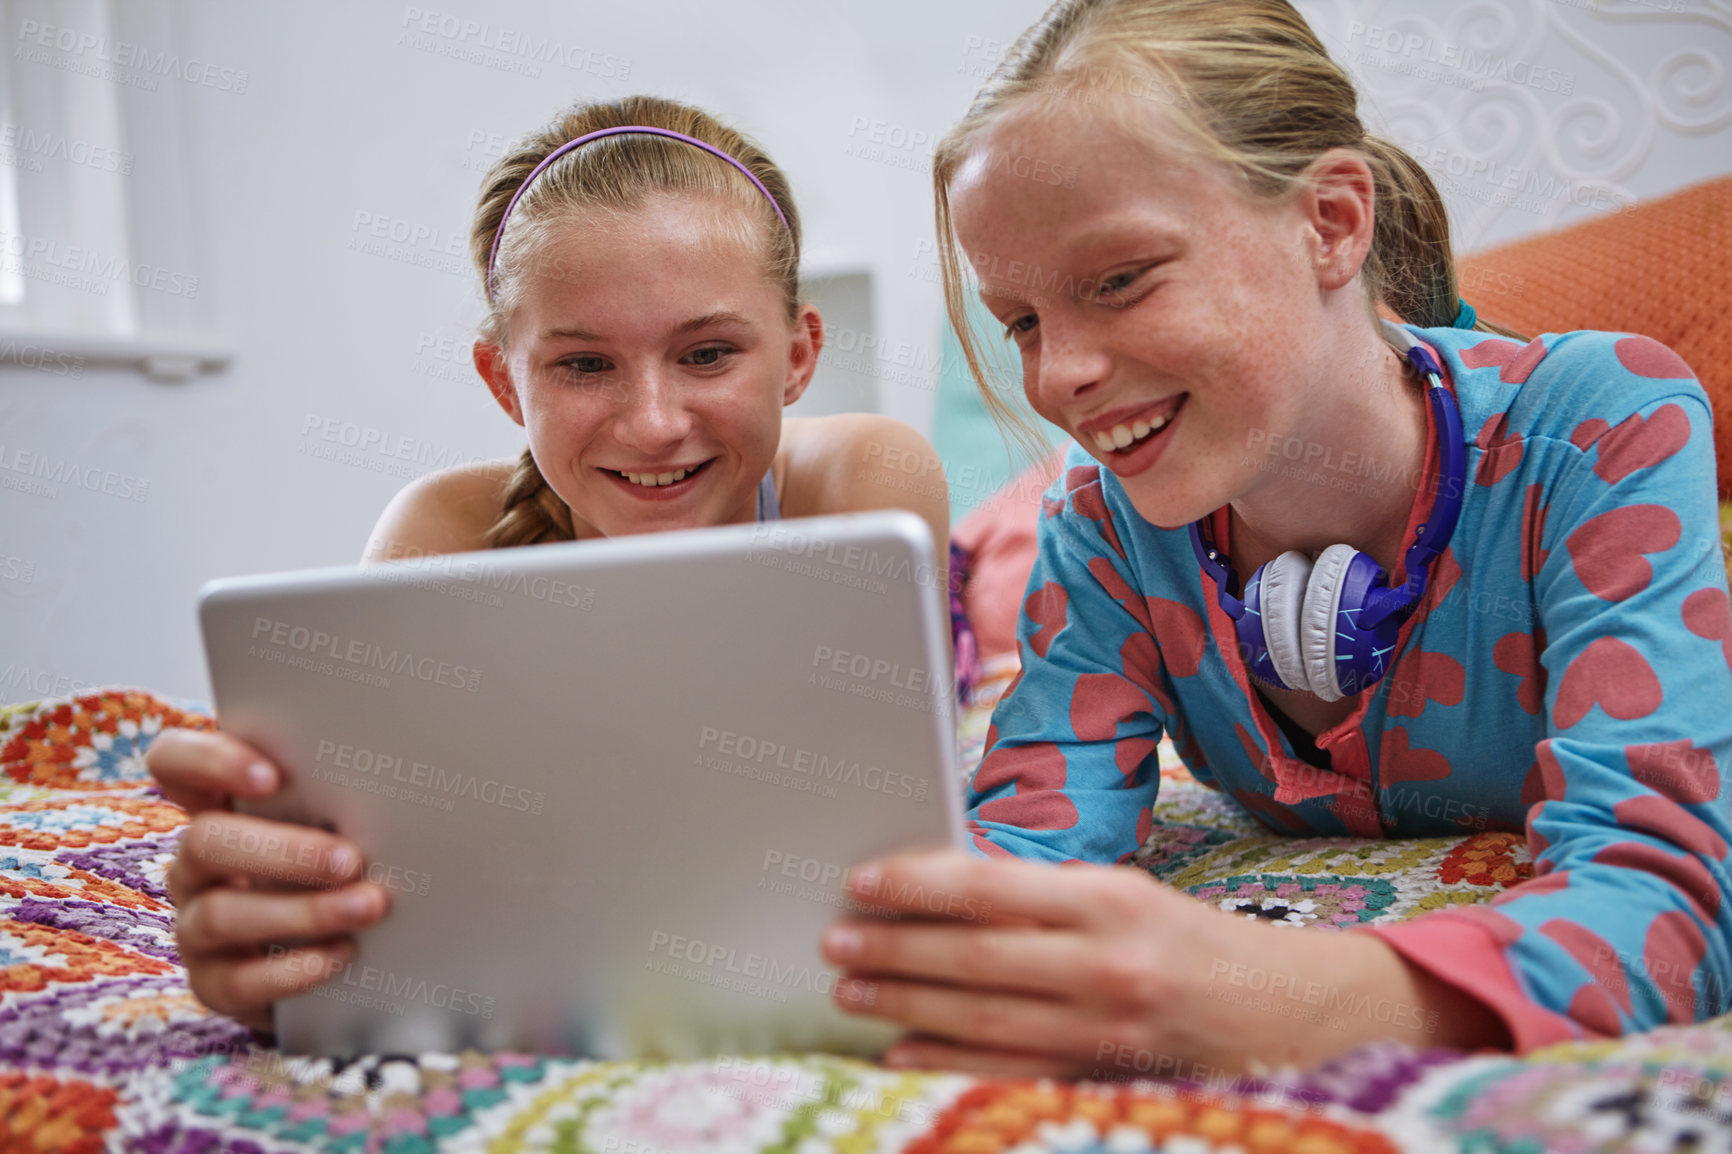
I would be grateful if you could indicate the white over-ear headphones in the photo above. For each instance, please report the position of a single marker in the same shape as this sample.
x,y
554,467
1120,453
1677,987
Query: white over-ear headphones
x,y
1329,626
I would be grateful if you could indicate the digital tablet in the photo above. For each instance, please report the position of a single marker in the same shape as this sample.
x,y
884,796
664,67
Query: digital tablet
x,y
613,786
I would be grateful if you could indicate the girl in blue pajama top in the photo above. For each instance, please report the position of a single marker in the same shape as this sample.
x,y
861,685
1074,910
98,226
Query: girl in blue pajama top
x,y
1584,587
1197,310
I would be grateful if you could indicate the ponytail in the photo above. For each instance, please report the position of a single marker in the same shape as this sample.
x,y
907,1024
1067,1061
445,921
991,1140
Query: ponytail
x,y
1412,265
533,512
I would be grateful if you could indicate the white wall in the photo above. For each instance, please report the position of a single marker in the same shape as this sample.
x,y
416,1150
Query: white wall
x,y
349,109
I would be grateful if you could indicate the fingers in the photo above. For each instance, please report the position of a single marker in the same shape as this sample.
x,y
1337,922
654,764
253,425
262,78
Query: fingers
x,y
260,854
244,986
922,1053
221,931
200,771
983,1019
959,885
1037,961
223,920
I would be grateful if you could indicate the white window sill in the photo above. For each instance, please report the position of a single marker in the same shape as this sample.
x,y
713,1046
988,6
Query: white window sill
x,y
167,357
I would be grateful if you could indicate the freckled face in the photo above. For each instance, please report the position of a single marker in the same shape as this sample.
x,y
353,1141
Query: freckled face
x,y
651,346
1150,299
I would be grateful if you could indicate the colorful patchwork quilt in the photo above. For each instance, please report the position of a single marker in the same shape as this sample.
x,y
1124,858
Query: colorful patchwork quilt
x,y
103,1046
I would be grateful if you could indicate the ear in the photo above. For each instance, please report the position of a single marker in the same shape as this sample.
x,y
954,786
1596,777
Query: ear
x,y
807,343
1339,206
491,364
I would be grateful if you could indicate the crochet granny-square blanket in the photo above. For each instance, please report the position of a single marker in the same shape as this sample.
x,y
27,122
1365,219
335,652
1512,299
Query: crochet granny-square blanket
x,y
102,1045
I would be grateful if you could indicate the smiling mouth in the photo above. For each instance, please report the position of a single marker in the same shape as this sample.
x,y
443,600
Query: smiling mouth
x,y
656,480
1128,435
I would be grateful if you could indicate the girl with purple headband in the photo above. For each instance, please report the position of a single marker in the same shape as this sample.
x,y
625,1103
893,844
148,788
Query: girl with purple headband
x,y
640,261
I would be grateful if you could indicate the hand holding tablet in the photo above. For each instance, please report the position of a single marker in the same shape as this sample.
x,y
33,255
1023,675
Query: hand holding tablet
x,y
614,827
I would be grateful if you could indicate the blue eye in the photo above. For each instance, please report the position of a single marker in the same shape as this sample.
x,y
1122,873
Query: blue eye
x,y
1118,283
710,357
1016,327
586,365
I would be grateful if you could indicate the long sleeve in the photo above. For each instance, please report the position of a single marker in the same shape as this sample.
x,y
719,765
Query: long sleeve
x,y
1626,924
1070,769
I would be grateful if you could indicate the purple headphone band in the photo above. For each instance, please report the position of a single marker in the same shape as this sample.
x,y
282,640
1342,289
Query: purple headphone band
x,y
629,129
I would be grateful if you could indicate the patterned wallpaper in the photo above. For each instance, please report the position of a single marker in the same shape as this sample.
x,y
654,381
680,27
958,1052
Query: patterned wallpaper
x,y
1536,113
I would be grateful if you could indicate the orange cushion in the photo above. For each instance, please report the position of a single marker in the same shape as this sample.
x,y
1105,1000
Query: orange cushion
x,y
1662,269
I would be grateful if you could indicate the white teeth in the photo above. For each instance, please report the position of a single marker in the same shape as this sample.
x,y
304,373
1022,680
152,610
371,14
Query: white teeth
x,y
654,480
1123,436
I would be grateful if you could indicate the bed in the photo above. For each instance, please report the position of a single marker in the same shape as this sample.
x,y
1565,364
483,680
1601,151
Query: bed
x,y
103,1046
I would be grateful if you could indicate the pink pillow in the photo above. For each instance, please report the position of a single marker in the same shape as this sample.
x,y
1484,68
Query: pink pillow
x,y
999,537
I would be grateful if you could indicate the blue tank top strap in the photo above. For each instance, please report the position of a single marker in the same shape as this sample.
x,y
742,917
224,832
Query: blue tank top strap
x,y
769,509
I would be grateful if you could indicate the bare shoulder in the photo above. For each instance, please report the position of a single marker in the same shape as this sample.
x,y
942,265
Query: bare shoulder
x,y
448,511
852,462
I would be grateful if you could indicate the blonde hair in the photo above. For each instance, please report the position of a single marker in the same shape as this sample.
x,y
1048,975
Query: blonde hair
x,y
617,173
1249,85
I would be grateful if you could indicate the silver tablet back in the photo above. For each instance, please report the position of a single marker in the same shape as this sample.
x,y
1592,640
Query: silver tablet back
x,y
613,785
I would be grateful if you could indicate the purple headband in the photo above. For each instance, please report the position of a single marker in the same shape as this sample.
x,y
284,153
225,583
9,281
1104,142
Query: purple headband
x,y
636,129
